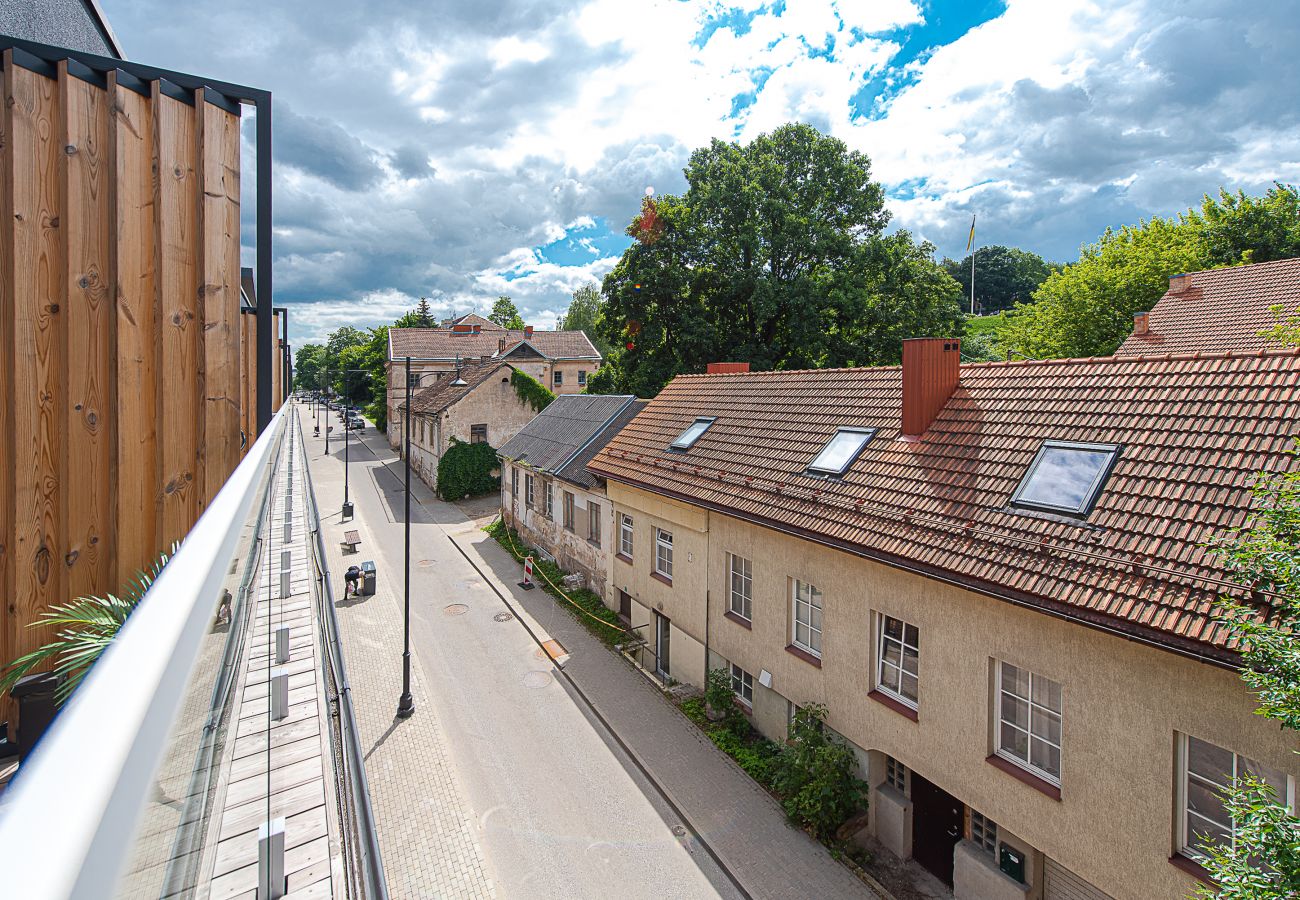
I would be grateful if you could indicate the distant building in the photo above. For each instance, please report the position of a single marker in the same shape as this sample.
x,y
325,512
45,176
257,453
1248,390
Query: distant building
x,y
74,24
547,492
560,360
995,578
1217,310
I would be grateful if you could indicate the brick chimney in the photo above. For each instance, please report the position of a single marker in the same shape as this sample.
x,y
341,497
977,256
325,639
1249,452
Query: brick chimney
x,y
725,368
501,345
478,328
460,328
1140,323
528,332
1179,283
931,367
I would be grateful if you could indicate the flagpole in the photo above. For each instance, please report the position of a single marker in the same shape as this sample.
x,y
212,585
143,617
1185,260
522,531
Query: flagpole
x,y
970,248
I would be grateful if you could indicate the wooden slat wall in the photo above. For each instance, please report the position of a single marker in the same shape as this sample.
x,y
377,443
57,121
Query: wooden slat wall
x,y
126,368
277,371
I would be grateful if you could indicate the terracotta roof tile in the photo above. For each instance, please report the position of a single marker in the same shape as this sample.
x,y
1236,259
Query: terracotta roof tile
x,y
445,343
1194,431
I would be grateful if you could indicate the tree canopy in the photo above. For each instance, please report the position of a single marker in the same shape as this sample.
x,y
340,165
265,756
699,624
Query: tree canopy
x,y
420,317
1004,276
506,314
1086,308
581,316
774,256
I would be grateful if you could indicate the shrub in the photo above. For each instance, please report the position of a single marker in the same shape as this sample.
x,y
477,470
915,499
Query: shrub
x,y
465,470
722,702
814,774
531,391
757,760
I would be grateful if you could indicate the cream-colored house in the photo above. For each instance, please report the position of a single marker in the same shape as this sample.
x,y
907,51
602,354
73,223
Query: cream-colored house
x,y
994,578
560,360
486,408
548,494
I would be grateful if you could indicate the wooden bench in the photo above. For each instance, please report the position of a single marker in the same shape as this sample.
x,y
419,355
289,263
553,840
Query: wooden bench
x,y
351,540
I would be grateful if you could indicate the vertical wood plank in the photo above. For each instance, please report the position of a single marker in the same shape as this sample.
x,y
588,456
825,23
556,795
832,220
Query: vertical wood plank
x,y
139,491
89,317
219,173
38,392
250,379
277,389
8,618
177,281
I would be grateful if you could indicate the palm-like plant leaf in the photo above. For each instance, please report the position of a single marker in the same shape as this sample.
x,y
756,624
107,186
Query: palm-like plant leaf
x,y
86,627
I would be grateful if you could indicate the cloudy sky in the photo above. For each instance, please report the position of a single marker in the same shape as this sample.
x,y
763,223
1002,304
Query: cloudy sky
x,y
461,149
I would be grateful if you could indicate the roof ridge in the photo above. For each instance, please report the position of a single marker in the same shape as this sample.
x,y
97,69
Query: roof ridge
x,y
1248,265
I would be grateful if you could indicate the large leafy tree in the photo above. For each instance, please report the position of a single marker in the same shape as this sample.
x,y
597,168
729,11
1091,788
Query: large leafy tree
x,y
307,364
1004,276
340,340
582,313
505,313
773,256
1087,308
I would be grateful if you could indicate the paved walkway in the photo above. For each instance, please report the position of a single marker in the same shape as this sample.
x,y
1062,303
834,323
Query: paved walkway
x,y
742,823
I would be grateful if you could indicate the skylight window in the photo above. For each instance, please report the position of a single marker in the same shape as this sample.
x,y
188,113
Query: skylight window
x,y
840,451
1066,477
687,438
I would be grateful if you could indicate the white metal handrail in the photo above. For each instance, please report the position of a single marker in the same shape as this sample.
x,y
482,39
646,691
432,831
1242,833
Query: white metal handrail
x,y
68,821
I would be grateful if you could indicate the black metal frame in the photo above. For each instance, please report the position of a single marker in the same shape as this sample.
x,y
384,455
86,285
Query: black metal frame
x,y
43,59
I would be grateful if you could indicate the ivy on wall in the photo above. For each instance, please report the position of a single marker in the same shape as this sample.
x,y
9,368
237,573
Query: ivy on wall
x,y
531,391
465,470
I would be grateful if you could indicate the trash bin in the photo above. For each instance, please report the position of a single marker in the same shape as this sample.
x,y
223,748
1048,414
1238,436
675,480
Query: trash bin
x,y
36,709
368,578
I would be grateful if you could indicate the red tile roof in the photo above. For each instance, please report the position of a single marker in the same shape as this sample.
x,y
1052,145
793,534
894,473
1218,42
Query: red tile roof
x,y
443,343
1219,310
1194,431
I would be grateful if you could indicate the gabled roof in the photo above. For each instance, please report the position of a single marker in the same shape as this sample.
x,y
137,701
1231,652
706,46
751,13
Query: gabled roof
x,y
475,319
441,394
575,469
1218,310
444,343
562,431
1193,432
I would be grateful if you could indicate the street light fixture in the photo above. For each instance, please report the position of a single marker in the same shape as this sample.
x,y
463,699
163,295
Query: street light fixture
x,y
347,429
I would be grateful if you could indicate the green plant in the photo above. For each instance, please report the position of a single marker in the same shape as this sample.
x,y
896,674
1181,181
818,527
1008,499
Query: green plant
x,y
815,775
531,391
722,701
465,470
87,626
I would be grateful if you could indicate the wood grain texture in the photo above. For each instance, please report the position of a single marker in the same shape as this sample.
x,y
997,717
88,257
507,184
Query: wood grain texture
x,y
8,618
248,385
219,248
139,489
277,389
87,169
181,364
37,363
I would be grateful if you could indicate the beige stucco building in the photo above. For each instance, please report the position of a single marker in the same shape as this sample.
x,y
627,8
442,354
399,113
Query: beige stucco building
x,y
1030,689
560,360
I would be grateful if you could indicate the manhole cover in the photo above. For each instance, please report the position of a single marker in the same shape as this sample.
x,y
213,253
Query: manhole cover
x,y
537,679
679,830
425,563
502,617
456,609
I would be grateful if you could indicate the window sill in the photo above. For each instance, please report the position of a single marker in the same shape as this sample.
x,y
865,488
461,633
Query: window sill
x,y
595,544
810,658
895,704
664,578
1193,868
738,619
621,558
1039,784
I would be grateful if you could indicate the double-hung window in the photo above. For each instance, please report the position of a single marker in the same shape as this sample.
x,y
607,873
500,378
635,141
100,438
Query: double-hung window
x,y
528,489
514,487
582,376
898,666
625,535
568,510
664,553
807,617
1029,721
742,587
742,685
558,378
1204,772
593,523
550,500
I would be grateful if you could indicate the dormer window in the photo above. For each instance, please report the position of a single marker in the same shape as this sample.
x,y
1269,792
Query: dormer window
x,y
1066,477
840,451
687,438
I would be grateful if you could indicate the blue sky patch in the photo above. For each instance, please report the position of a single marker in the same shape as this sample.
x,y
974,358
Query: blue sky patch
x,y
583,244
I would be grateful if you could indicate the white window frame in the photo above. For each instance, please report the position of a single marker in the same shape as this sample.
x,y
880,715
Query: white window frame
x,y
864,436
664,553
529,482
1183,838
626,535
582,376
883,640
740,603
814,631
1010,756
514,487
550,500
742,685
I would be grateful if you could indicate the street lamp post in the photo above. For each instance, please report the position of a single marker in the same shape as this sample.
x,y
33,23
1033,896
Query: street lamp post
x,y
347,428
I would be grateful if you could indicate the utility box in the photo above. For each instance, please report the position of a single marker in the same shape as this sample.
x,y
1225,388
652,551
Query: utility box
x,y
36,708
1012,863
368,578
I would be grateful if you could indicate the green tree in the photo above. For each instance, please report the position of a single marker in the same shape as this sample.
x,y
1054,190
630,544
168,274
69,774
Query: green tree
x,y
506,314
307,367
583,311
340,340
1241,229
1004,276
420,317
815,774
773,256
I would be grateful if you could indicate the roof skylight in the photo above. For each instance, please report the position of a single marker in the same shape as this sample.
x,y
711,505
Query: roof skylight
x,y
840,451
687,438
1066,477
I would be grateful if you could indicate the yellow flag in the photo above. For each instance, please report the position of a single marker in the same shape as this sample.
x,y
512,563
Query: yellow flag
x,y
970,242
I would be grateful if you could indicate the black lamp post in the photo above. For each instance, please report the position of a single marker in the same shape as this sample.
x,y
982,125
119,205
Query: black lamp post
x,y
347,428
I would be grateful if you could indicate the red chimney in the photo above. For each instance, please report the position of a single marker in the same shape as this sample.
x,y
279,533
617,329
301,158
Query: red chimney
x,y
528,332
477,328
1140,323
1179,283
460,329
721,368
931,367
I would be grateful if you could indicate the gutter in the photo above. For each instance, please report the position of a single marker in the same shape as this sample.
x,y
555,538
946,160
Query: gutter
x,y
1225,659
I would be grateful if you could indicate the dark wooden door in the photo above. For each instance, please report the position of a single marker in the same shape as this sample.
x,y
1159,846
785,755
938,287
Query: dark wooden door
x,y
937,819
625,606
